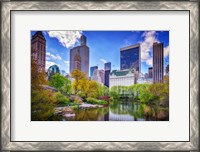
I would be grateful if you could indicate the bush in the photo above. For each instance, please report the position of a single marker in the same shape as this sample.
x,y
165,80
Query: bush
x,y
102,102
61,99
114,95
96,101
106,98
42,105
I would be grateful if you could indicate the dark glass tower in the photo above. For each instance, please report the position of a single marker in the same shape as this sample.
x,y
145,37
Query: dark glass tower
x,y
158,62
92,70
130,57
107,68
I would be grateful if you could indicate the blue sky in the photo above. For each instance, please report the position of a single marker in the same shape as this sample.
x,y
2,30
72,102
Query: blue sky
x,y
104,46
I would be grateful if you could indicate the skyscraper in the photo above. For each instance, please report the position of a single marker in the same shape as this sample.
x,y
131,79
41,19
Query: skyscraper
x,y
150,72
79,57
107,68
130,57
92,70
158,62
38,49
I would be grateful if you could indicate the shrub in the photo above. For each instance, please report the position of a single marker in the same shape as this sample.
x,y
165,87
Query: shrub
x,y
96,101
42,105
114,95
106,98
61,99
102,102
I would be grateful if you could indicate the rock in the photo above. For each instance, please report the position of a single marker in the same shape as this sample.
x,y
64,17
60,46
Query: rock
x,y
69,115
75,99
68,110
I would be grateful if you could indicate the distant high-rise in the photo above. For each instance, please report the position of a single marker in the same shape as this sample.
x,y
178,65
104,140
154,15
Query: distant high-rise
x,y
38,49
167,70
158,62
150,72
107,68
79,57
52,70
92,70
98,76
130,57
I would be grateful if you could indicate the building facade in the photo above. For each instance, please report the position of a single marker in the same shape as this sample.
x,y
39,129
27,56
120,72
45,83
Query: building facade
x,y
38,49
122,78
130,57
79,57
98,76
107,68
158,62
143,78
92,70
52,70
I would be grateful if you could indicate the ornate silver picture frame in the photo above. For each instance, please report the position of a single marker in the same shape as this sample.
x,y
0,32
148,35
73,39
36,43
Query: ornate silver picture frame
x,y
7,7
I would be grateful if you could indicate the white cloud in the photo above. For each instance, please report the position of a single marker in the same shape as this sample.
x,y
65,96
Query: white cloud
x,y
103,60
66,38
166,51
51,56
146,46
50,63
67,62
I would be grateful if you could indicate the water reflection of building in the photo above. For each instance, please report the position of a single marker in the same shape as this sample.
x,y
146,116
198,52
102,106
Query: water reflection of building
x,y
130,57
38,49
52,70
122,78
158,62
107,68
79,57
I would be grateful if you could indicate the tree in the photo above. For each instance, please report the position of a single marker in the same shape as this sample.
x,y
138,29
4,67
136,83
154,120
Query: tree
x,y
80,80
38,78
67,86
57,81
42,101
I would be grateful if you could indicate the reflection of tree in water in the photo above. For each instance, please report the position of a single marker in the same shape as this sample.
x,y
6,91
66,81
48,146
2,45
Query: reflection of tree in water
x,y
90,114
126,107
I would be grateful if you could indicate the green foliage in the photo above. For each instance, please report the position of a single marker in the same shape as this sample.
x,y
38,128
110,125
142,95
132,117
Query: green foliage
x,y
67,88
43,103
38,77
57,81
96,101
61,99
84,87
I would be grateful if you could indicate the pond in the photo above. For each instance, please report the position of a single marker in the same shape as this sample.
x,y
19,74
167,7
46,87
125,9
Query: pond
x,y
115,111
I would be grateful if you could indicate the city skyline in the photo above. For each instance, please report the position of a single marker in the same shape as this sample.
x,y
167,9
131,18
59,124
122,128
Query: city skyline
x,y
104,46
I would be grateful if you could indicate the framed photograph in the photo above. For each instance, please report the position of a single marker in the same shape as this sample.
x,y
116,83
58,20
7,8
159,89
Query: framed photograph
x,y
106,75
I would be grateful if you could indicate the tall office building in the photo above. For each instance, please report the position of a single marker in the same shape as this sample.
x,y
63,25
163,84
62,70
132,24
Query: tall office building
x,y
79,57
107,68
38,49
158,62
150,72
92,70
130,57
